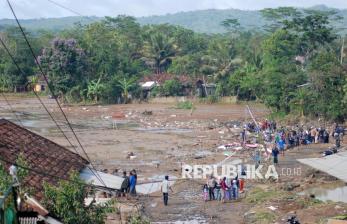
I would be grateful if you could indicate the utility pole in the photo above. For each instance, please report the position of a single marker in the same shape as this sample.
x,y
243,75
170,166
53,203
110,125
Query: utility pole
x,y
342,50
203,79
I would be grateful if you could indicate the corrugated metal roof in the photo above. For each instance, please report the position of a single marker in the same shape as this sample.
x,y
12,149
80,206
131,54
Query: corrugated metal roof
x,y
115,182
335,165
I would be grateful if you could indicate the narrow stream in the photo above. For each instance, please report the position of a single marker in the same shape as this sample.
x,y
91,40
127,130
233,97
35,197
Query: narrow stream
x,y
328,193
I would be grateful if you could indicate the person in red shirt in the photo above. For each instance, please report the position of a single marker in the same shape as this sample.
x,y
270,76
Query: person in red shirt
x,y
224,188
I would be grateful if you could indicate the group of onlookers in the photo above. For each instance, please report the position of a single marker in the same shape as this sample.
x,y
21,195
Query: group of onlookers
x,y
128,186
300,136
284,138
223,189
294,136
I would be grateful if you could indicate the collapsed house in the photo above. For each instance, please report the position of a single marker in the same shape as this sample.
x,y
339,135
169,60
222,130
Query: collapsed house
x,y
47,162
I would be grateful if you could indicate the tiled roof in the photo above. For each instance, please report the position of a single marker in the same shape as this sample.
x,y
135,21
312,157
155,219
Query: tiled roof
x,y
40,153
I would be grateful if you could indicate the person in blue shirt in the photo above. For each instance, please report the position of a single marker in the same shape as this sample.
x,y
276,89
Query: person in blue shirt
x,y
132,181
281,145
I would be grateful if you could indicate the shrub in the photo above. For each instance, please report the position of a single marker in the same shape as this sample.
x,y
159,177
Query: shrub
x,y
186,105
171,88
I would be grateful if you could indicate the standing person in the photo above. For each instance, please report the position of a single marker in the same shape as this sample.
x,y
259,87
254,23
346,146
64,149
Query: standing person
x,y
132,182
125,185
135,175
224,189
257,159
165,186
337,140
326,136
281,145
211,184
229,184
274,125
13,172
205,192
277,137
313,132
217,190
243,136
320,135
242,179
316,137
275,153
235,187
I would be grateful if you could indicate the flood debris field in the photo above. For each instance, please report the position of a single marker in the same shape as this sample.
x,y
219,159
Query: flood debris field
x,y
156,139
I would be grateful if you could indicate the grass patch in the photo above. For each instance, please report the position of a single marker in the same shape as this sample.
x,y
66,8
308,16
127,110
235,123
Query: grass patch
x,y
277,115
341,217
265,217
308,202
211,99
258,195
137,219
186,105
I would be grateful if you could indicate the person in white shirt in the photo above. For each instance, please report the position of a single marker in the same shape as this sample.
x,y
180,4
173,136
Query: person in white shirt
x,y
165,186
13,173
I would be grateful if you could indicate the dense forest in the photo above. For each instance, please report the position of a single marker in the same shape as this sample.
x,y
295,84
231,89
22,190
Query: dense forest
x,y
294,64
203,21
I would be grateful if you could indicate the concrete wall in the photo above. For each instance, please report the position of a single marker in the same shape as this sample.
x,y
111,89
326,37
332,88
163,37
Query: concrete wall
x,y
170,99
173,100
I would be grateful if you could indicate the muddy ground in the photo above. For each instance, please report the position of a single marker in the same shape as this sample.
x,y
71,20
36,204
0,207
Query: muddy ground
x,y
163,138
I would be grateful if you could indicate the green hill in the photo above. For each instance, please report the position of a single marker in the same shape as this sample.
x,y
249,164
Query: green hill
x,y
54,24
204,21
208,21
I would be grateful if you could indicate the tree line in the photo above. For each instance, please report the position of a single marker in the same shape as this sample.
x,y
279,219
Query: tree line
x,y
296,65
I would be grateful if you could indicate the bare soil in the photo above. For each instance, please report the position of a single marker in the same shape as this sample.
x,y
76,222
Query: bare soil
x,y
171,137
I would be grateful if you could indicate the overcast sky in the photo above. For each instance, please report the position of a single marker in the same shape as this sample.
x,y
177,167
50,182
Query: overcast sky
x,y
45,9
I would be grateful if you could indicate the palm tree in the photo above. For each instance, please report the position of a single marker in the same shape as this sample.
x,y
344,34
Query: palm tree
x,y
125,85
299,101
158,52
220,59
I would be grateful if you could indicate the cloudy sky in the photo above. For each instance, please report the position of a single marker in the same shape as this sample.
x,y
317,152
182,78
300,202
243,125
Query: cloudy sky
x,y
46,9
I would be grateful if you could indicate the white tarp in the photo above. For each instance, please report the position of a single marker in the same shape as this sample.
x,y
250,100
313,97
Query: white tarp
x,y
115,182
335,165
111,181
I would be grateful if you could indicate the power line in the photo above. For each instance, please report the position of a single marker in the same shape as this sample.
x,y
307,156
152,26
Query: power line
x,y
70,10
38,97
42,173
64,7
51,90
49,86
8,103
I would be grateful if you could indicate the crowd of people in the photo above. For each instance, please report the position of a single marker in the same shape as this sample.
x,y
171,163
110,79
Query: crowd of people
x,y
226,189
223,189
298,135
283,138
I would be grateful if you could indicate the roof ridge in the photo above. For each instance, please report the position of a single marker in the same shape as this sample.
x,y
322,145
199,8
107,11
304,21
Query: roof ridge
x,y
4,121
